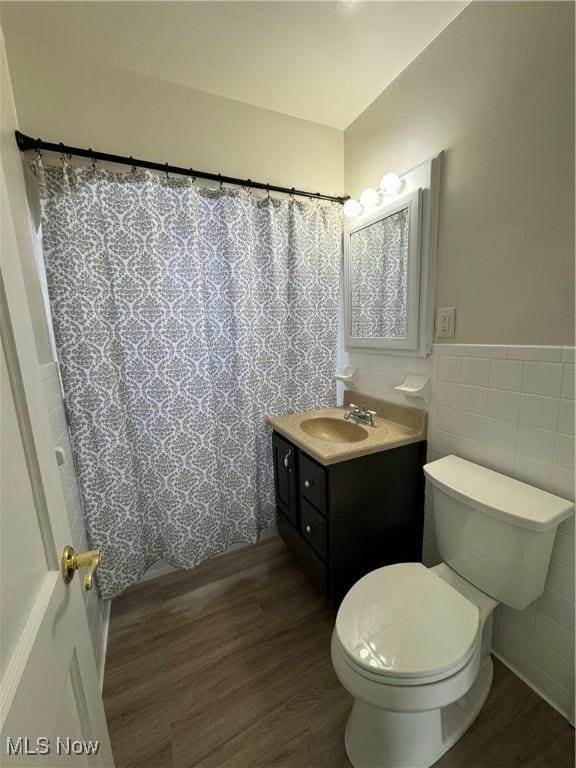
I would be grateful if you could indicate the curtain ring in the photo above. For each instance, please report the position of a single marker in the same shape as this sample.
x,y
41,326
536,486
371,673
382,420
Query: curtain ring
x,y
193,177
268,191
292,194
220,182
38,150
166,170
93,158
133,165
62,154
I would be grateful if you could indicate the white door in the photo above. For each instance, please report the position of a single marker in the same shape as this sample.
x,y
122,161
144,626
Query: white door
x,y
50,702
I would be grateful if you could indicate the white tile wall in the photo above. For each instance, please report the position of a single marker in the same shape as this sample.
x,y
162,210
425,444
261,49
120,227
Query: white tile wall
x,y
96,609
510,408
544,378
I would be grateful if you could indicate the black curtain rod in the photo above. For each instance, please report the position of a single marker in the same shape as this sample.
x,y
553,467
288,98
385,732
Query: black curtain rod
x,y
26,143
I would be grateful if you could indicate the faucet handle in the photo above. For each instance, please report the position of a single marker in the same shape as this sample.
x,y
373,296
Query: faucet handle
x,y
353,406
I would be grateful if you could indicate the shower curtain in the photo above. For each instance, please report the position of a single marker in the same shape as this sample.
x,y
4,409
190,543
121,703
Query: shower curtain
x,y
183,317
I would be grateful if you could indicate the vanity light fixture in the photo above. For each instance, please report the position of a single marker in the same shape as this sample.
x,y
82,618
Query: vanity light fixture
x,y
352,208
391,184
369,198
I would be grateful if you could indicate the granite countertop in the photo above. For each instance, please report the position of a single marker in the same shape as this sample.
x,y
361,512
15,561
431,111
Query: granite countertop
x,y
395,425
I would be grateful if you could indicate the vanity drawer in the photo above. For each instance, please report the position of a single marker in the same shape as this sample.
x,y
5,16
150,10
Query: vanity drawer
x,y
313,528
312,482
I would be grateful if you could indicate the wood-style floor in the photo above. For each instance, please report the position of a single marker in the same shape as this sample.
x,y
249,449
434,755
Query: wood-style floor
x,y
229,665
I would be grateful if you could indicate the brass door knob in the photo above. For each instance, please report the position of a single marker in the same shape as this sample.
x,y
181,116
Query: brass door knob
x,y
71,561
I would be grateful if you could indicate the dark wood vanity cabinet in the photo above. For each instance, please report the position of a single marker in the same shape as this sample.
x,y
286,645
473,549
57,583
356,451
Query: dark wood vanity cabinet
x,y
346,519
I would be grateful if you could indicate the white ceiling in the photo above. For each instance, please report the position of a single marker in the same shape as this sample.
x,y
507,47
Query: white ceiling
x,y
322,61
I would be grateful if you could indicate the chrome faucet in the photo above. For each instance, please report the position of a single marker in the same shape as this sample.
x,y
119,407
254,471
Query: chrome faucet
x,y
360,415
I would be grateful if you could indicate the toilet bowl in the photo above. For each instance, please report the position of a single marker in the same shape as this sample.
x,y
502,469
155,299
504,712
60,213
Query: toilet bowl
x,y
412,663
412,644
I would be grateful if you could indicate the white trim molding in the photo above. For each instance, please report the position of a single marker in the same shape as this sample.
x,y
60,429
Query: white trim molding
x,y
103,641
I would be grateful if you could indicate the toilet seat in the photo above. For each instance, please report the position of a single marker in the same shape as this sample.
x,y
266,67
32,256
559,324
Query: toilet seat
x,y
403,625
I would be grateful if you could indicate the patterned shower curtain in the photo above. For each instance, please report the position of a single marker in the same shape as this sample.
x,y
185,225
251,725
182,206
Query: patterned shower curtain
x,y
183,317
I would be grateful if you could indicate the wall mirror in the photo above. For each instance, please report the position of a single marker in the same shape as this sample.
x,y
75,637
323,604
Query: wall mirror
x,y
382,276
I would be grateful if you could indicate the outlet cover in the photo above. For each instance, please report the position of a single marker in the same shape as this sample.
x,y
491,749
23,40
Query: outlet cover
x,y
446,322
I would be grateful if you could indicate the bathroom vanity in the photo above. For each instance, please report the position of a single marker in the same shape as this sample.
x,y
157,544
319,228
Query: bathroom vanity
x,y
350,497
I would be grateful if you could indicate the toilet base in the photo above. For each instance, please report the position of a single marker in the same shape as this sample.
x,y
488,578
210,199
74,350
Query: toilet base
x,y
377,738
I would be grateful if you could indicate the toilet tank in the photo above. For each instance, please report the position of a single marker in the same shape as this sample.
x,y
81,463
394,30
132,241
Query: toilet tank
x,y
496,532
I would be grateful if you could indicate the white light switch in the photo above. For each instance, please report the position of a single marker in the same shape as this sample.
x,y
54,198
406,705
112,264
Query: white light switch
x,y
446,322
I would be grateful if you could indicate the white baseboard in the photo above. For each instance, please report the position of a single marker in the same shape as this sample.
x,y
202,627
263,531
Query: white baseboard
x,y
530,684
103,642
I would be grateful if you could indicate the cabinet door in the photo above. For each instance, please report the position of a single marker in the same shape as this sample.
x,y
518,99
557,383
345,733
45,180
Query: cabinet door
x,y
285,477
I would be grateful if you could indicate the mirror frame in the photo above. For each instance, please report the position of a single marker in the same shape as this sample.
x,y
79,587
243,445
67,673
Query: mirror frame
x,y
410,343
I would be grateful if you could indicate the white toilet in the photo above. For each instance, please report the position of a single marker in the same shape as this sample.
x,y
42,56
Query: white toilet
x,y
412,644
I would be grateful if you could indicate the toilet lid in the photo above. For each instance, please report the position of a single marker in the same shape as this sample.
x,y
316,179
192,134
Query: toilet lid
x,y
404,621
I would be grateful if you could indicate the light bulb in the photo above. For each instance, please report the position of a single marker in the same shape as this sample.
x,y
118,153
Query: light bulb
x,y
391,184
352,208
369,198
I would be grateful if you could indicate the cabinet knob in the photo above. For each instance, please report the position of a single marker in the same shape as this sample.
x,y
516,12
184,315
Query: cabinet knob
x,y
307,484
287,459
308,529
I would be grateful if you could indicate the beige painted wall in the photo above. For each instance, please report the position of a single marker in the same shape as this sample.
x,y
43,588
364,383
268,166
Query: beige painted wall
x,y
496,91
13,169
114,110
